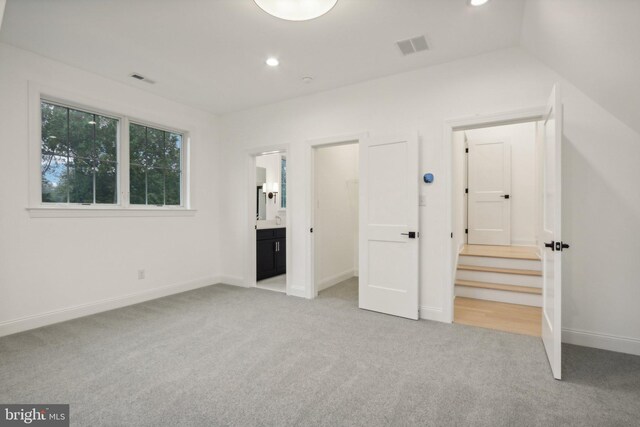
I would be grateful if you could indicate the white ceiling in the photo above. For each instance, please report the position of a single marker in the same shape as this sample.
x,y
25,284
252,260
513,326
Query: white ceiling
x,y
210,53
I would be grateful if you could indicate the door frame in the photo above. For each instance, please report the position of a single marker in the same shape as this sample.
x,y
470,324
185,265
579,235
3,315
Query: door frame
x,y
310,148
250,190
526,115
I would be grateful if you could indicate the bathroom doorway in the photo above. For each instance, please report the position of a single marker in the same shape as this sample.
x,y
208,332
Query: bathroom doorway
x,y
270,207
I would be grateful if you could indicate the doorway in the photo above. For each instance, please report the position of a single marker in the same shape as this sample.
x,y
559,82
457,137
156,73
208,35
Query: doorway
x,y
335,190
269,207
498,276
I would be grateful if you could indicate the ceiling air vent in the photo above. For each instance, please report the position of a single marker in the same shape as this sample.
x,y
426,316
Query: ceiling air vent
x,y
413,45
142,78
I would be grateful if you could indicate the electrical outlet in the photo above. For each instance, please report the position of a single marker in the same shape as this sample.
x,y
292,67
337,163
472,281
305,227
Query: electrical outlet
x,y
140,274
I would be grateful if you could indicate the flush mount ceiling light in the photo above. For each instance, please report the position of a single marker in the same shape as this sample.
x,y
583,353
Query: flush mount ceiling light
x,y
272,62
477,2
296,10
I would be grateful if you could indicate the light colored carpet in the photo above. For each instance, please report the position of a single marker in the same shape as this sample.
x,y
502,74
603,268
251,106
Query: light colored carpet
x,y
223,355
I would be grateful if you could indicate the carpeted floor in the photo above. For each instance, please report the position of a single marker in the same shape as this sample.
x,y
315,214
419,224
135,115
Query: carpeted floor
x,y
223,355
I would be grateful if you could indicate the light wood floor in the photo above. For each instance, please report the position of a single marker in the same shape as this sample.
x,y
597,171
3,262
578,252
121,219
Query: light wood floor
x,y
514,252
519,319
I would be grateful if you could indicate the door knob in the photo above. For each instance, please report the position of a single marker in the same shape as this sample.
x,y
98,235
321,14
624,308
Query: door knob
x,y
411,234
506,196
550,245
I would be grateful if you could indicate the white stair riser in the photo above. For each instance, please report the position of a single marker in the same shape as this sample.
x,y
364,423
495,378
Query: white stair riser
x,y
500,296
520,264
503,278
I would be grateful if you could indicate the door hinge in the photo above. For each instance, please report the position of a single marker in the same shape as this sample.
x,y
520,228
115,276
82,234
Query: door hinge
x,y
452,235
311,230
466,231
466,150
466,190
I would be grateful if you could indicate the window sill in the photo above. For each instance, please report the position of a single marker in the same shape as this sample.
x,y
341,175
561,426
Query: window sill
x,y
106,212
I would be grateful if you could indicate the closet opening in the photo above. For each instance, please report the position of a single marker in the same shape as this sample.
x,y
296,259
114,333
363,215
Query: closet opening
x,y
334,213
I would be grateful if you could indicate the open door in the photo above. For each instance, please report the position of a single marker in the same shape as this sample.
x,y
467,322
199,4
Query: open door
x,y
389,181
489,193
550,240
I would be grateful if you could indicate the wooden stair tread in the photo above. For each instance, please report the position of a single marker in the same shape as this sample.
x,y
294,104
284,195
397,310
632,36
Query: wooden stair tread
x,y
512,252
499,287
500,270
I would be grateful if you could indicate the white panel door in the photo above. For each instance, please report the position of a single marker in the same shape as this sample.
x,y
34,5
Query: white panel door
x,y
489,208
549,236
389,181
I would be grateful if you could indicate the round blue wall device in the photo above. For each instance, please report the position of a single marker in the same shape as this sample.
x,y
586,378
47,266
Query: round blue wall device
x,y
428,178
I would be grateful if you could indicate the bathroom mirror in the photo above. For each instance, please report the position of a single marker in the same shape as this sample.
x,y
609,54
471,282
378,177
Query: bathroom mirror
x,y
261,197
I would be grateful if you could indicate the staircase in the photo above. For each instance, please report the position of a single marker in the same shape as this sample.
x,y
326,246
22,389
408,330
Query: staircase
x,y
508,274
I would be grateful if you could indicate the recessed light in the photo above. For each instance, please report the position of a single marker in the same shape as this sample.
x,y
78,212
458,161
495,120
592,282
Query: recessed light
x,y
477,2
296,10
272,62
307,79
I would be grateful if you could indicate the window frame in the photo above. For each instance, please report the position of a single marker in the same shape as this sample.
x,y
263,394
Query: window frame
x,y
37,208
67,105
183,179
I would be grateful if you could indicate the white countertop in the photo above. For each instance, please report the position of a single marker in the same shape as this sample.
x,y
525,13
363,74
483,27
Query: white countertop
x,y
268,225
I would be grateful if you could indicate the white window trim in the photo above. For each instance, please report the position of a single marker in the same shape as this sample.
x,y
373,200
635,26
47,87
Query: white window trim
x,y
38,209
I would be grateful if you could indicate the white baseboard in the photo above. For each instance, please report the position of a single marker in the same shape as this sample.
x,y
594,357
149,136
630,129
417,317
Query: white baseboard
x,y
232,280
602,341
323,284
56,316
298,292
433,313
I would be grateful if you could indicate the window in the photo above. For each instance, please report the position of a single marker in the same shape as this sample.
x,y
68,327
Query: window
x,y
80,151
79,161
155,166
283,181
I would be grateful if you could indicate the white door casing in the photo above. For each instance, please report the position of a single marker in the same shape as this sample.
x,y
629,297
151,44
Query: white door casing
x,y
389,179
489,203
549,239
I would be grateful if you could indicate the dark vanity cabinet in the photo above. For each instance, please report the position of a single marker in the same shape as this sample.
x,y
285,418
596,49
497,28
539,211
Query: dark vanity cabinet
x,y
271,252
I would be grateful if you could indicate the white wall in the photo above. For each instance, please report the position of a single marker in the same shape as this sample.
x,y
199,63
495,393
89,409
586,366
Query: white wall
x,y
57,268
522,138
336,214
271,162
602,203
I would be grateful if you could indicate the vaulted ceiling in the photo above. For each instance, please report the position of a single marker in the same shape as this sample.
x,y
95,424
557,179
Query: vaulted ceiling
x,y
593,44
211,53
